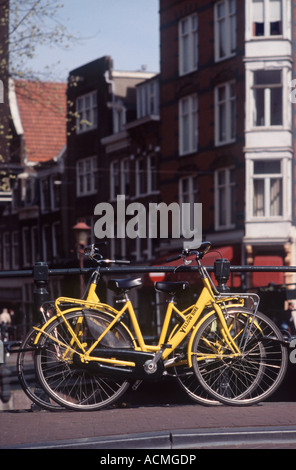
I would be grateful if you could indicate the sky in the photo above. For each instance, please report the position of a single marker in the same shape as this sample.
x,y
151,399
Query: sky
x,y
126,30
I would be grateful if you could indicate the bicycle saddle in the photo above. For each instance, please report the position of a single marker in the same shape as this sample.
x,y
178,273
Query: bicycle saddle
x,y
122,285
172,288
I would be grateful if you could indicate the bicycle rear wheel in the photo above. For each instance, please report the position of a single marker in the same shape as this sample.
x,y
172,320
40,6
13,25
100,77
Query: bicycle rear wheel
x,y
61,376
27,375
188,381
247,379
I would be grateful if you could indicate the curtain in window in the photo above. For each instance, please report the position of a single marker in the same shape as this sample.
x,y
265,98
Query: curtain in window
x,y
275,197
258,202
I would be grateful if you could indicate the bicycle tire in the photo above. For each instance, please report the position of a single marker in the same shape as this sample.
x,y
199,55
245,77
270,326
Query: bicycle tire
x,y
188,381
250,378
28,378
68,384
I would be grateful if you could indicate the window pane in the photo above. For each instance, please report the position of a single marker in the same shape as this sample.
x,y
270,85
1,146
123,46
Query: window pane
x,y
267,77
265,167
259,198
258,17
222,206
222,122
275,17
259,107
276,106
222,38
276,201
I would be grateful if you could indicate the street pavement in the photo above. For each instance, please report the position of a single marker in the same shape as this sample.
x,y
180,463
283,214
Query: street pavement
x,y
134,423
156,416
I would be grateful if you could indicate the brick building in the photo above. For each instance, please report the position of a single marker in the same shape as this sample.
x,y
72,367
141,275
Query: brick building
x,y
226,124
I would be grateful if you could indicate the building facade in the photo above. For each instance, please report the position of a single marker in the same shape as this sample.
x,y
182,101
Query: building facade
x,y
216,126
226,70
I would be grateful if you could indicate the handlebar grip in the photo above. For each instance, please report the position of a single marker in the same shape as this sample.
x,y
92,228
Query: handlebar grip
x,y
173,258
122,261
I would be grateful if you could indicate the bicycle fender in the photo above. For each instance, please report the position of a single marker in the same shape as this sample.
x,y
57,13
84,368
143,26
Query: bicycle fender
x,y
195,330
230,309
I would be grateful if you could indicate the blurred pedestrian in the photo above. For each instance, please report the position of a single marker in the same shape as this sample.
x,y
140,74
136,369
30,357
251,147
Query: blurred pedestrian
x,y
5,317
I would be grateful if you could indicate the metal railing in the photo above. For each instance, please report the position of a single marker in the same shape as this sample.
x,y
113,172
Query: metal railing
x,y
222,270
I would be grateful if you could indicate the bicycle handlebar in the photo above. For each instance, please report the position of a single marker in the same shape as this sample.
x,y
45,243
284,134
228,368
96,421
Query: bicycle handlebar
x,y
199,252
93,253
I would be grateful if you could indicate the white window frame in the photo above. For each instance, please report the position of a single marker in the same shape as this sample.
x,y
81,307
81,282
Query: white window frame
x,y
86,175
152,174
148,99
141,173
266,18
267,101
119,117
189,196
227,187
119,178
188,44
229,106
115,186
188,124
267,177
86,112
225,22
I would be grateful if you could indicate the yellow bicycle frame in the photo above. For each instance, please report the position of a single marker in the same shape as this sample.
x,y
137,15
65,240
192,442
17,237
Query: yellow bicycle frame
x,y
192,320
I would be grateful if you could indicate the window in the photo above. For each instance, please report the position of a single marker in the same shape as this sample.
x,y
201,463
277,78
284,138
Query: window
x,y
6,250
46,242
188,125
224,198
119,116
114,180
188,45
225,112
15,250
56,239
225,29
27,246
125,177
148,99
45,195
152,174
86,109
141,186
267,17
86,171
268,98
55,193
188,193
29,191
119,178
188,190
267,188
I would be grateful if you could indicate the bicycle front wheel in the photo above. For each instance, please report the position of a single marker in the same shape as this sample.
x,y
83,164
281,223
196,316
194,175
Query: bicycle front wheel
x,y
69,384
249,378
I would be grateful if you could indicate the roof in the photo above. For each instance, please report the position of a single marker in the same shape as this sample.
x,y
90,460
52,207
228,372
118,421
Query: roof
x,y
42,110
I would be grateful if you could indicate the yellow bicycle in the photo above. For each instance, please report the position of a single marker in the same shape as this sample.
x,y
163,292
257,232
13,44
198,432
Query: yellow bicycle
x,y
86,356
